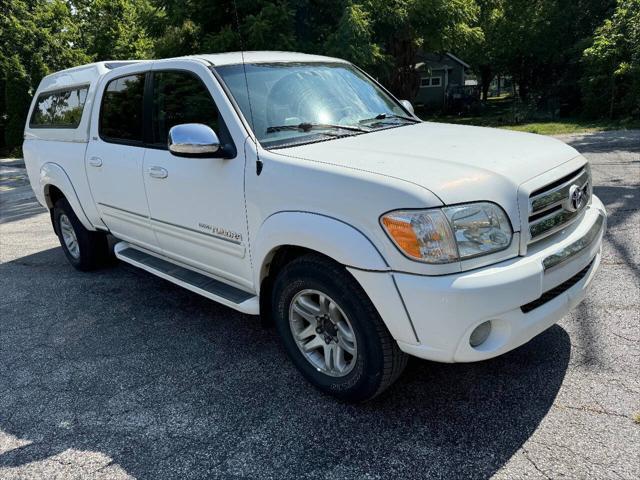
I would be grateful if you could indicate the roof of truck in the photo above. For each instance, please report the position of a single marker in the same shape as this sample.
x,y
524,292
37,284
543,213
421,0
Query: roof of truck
x,y
234,58
85,74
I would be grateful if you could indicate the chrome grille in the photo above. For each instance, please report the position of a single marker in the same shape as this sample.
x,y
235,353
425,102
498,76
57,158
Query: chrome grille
x,y
556,205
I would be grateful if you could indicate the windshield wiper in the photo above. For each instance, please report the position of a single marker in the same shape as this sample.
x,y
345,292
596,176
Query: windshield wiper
x,y
307,126
383,116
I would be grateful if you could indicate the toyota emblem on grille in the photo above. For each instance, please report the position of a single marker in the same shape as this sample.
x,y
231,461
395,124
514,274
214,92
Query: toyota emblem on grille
x,y
577,197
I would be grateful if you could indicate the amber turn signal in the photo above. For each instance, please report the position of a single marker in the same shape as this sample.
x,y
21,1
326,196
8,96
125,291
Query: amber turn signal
x,y
402,233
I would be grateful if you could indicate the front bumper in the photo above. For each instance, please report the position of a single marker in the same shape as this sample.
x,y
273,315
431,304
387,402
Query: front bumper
x,y
444,310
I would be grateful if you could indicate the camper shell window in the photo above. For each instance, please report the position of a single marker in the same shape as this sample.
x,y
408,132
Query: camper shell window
x,y
60,108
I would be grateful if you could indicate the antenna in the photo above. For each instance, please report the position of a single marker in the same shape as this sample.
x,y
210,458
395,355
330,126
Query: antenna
x,y
246,82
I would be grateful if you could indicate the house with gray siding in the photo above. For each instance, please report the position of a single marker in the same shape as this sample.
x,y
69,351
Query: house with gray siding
x,y
442,78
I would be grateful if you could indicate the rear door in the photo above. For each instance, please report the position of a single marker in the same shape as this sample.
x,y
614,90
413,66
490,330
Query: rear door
x,y
115,156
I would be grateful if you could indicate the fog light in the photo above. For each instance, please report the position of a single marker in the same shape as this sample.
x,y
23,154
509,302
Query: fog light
x,y
480,334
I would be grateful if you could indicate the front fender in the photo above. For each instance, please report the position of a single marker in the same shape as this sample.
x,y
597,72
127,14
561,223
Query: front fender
x,y
52,174
346,245
327,235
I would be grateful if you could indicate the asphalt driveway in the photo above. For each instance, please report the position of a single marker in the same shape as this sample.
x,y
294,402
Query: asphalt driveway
x,y
119,374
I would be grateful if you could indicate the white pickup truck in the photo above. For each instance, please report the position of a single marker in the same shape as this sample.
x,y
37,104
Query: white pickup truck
x,y
297,188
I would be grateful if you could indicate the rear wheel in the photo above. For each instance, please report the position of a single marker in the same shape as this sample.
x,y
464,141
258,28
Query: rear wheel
x,y
332,332
85,250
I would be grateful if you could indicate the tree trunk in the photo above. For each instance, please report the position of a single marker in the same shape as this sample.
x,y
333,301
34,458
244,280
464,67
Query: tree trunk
x,y
613,95
521,76
486,75
523,90
403,81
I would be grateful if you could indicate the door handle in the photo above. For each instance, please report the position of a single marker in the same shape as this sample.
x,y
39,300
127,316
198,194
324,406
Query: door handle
x,y
95,161
158,172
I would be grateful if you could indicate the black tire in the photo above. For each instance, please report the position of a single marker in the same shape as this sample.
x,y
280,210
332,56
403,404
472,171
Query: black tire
x,y
93,246
379,361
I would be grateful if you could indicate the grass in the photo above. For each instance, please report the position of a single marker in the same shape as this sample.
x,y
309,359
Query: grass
x,y
572,126
501,113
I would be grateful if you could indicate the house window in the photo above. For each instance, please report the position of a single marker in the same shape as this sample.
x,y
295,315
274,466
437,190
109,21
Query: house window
x,y
431,82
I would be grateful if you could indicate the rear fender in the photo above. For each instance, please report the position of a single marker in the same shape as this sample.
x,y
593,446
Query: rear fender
x,y
52,174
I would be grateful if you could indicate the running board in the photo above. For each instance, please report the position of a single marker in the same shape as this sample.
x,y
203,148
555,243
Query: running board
x,y
191,280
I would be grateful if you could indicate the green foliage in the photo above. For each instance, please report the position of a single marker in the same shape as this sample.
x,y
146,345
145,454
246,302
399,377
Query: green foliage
x,y
204,26
40,37
115,29
272,25
17,96
353,38
179,40
385,35
611,83
483,50
548,47
380,35
540,43
35,39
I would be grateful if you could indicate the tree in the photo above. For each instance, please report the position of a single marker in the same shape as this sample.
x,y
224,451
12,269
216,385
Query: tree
x,y
402,27
482,52
540,42
17,97
115,29
353,38
384,36
380,35
205,26
35,38
611,83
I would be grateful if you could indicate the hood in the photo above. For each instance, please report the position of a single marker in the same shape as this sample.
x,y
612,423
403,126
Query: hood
x,y
457,163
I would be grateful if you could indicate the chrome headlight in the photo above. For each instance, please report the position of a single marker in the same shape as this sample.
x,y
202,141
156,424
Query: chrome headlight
x,y
449,234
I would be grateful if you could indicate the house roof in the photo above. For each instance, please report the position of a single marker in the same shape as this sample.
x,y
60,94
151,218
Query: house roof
x,y
453,57
436,61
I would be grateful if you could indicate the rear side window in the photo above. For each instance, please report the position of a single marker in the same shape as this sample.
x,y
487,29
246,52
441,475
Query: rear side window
x,y
59,109
121,109
180,97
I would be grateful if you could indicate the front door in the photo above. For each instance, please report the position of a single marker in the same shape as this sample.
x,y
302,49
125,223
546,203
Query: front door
x,y
196,205
115,156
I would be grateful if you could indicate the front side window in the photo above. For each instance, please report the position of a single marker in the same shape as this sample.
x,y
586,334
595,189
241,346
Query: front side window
x,y
60,109
180,97
290,103
121,109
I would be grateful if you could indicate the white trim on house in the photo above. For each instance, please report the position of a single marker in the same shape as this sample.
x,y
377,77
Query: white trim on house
x,y
430,82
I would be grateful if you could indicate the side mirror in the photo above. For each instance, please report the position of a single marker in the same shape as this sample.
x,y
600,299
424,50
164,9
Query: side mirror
x,y
407,105
194,140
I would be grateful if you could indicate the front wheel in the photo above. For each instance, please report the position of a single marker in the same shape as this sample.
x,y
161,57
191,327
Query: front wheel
x,y
332,332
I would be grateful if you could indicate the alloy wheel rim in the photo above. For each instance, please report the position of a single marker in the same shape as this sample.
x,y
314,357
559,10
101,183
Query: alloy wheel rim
x,y
69,236
323,333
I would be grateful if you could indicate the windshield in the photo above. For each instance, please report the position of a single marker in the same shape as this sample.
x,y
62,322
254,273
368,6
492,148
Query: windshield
x,y
294,103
